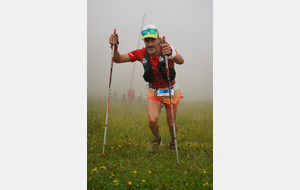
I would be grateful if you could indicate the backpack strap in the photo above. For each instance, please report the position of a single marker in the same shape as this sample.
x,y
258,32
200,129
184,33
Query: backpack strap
x,y
163,68
148,73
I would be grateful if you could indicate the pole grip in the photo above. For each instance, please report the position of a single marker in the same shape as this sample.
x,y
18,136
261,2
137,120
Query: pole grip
x,y
114,33
164,39
166,57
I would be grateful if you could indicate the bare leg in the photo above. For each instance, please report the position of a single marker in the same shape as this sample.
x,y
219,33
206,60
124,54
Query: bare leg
x,y
170,122
153,113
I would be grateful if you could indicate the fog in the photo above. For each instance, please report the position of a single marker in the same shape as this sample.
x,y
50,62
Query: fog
x,y
187,25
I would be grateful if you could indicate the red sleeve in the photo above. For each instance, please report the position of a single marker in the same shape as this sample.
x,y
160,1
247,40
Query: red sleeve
x,y
136,55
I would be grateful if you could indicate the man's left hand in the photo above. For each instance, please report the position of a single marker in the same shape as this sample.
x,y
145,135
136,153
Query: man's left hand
x,y
166,49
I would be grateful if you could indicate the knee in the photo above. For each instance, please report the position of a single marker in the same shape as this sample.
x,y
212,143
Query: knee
x,y
153,121
170,124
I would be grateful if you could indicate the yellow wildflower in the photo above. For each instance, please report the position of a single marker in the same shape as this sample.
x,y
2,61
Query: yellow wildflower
x,y
186,184
112,147
134,172
187,155
149,172
129,183
115,181
90,179
143,181
204,184
204,171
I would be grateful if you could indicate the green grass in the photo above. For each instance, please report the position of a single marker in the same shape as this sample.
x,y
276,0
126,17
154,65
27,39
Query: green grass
x,y
127,163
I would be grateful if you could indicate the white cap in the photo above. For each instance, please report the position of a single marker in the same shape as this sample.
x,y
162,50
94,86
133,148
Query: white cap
x,y
148,35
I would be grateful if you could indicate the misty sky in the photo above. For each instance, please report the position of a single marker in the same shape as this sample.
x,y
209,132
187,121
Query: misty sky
x,y
187,25
43,78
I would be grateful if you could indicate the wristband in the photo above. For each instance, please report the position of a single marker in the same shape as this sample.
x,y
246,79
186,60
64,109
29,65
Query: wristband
x,y
173,53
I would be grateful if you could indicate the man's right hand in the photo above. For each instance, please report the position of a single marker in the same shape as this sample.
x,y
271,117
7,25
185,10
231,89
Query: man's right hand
x,y
113,39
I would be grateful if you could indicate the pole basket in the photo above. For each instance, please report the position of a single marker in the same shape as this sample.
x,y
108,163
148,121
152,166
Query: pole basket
x,y
131,95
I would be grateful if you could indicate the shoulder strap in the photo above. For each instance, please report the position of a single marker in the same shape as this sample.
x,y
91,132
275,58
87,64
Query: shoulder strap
x,y
146,56
148,75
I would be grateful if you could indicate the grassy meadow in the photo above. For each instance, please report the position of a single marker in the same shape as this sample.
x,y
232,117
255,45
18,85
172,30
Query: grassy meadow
x,y
127,163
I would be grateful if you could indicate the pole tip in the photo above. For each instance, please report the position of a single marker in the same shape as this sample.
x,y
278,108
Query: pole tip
x,y
102,155
178,164
115,30
164,38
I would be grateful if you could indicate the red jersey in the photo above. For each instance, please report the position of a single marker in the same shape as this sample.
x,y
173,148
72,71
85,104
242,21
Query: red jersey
x,y
158,82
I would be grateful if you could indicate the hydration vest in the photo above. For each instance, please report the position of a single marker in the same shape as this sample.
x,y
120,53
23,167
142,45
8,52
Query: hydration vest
x,y
148,73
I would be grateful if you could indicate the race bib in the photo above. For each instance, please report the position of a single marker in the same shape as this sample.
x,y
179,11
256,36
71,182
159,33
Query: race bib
x,y
162,92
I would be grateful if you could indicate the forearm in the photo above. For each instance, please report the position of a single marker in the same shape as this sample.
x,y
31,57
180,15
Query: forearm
x,y
117,56
178,59
172,53
113,40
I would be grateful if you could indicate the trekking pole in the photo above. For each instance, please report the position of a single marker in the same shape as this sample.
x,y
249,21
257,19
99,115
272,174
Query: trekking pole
x,y
108,98
168,75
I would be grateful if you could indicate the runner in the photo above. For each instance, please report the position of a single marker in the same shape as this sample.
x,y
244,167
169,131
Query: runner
x,y
140,97
124,96
115,95
152,59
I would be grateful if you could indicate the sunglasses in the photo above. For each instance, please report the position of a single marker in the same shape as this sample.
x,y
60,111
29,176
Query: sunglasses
x,y
151,31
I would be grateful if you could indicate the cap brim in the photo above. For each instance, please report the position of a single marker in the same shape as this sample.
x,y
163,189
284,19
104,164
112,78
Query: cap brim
x,y
150,36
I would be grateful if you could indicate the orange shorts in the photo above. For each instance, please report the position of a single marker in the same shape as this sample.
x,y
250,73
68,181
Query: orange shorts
x,y
166,99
